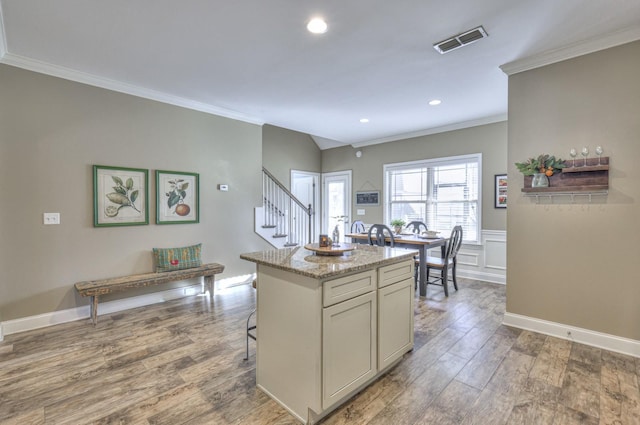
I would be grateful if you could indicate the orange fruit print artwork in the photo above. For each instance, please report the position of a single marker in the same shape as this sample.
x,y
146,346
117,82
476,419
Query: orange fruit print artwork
x,y
176,197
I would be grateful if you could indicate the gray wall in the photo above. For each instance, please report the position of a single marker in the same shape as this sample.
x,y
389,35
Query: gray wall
x,y
490,140
576,263
284,150
51,133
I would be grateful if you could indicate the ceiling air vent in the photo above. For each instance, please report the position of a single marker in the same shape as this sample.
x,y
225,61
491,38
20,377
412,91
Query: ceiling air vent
x,y
460,40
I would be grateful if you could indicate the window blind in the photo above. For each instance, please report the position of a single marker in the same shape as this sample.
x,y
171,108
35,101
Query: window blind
x,y
442,193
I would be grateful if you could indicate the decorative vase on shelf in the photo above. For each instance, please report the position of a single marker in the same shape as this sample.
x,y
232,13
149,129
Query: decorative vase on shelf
x,y
539,180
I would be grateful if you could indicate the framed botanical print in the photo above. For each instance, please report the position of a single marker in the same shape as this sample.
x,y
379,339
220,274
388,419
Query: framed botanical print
x,y
120,196
501,191
177,197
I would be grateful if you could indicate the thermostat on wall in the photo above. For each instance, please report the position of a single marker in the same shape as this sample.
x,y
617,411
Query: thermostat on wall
x,y
223,187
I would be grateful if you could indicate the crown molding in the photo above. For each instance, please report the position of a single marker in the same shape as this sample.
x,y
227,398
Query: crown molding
x,y
435,130
594,44
3,36
325,144
105,83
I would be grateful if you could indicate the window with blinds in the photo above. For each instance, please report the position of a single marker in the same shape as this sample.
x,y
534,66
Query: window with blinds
x,y
442,193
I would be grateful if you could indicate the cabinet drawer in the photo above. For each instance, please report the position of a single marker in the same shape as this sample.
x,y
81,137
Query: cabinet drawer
x,y
393,273
344,288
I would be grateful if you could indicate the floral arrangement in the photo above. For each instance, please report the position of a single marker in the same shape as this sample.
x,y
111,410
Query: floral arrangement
x,y
545,164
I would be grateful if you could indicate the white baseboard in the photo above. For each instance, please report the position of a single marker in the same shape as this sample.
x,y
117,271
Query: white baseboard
x,y
24,324
483,276
78,313
609,342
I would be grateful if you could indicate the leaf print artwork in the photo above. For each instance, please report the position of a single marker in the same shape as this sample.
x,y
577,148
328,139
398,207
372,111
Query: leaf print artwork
x,y
120,196
176,196
123,196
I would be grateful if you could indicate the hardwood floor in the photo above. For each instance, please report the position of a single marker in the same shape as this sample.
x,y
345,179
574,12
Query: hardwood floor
x,y
180,362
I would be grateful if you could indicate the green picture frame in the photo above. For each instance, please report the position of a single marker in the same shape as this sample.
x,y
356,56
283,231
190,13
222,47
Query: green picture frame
x,y
177,197
120,196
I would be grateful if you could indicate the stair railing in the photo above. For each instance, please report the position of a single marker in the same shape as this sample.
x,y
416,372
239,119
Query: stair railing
x,y
285,213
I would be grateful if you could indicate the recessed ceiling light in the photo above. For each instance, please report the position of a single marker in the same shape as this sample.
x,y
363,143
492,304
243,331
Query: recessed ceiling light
x,y
364,120
435,102
317,26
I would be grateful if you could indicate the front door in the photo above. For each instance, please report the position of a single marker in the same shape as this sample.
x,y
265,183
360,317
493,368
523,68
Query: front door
x,y
336,202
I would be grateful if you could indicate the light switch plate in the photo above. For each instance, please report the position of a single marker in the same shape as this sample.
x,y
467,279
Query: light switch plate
x,y
51,218
360,211
223,187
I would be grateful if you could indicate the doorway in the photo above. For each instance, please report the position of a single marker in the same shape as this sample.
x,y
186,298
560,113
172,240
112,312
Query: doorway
x,y
336,202
304,186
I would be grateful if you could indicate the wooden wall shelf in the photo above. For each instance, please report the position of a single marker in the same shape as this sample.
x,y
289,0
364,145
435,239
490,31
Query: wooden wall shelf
x,y
592,178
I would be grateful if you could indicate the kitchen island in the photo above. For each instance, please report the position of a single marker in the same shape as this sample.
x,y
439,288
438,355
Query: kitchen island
x,y
327,326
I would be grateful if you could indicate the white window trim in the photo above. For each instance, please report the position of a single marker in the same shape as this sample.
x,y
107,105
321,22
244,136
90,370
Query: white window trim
x,y
448,160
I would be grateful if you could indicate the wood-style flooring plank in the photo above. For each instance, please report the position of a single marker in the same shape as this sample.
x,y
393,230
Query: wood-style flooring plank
x,y
481,367
410,405
552,361
451,406
181,362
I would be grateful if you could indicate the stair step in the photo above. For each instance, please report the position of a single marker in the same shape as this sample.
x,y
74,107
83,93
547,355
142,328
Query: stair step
x,y
279,235
288,244
269,226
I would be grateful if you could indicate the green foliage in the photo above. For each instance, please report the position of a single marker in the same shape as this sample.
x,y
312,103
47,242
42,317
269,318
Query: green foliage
x,y
398,222
123,195
541,164
177,192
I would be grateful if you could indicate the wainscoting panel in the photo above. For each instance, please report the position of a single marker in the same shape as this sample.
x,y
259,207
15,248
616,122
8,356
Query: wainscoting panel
x,y
486,261
496,254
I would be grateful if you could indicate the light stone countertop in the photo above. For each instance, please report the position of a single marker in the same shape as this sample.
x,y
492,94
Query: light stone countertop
x,y
304,262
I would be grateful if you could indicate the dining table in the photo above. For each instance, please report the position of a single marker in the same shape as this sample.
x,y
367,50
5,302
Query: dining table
x,y
412,241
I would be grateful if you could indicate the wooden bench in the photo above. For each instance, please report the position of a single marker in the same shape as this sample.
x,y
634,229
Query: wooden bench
x,y
95,288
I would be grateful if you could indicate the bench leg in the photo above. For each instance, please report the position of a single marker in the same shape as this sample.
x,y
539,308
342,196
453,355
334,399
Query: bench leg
x,y
94,309
209,281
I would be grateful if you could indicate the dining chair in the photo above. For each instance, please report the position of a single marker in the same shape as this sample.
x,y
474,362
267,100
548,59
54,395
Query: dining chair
x,y
357,227
417,227
447,262
377,235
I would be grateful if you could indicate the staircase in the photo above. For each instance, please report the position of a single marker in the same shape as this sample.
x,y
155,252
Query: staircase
x,y
283,220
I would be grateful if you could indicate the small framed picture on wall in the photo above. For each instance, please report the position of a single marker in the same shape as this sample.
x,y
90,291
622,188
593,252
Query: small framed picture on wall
x,y
120,196
501,191
177,197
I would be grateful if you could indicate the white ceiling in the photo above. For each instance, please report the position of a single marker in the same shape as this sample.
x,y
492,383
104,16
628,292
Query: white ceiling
x,y
254,59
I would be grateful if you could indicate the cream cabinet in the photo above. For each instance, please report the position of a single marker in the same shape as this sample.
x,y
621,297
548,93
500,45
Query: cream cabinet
x,y
395,312
348,347
319,341
349,333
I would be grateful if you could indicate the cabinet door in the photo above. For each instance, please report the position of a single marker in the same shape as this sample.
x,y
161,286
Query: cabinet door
x,y
349,346
395,324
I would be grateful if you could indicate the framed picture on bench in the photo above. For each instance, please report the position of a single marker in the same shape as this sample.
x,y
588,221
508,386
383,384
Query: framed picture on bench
x,y
177,197
120,196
